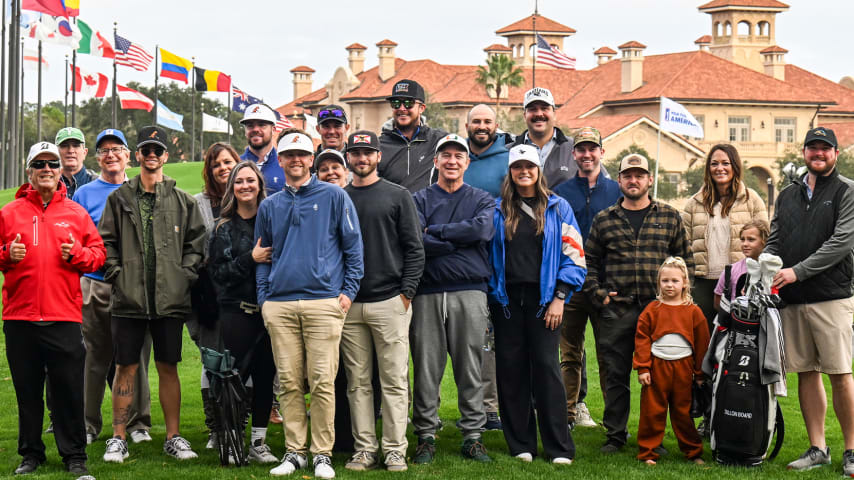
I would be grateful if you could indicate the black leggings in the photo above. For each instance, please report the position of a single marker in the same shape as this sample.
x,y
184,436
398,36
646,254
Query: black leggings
x,y
240,333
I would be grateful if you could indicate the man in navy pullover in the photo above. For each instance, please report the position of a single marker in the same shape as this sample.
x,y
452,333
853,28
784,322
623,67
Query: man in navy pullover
x,y
588,192
258,121
449,310
304,294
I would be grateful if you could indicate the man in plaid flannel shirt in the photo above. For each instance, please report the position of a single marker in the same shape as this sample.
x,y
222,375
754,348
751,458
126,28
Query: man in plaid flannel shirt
x,y
628,242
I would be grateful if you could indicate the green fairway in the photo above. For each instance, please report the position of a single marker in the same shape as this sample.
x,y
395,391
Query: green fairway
x,y
147,461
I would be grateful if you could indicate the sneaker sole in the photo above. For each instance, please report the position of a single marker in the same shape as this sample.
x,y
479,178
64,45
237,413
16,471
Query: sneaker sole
x,y
806,469
359,467
115,460
397,468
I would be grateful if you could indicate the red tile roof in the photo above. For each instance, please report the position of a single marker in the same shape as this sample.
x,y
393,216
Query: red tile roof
x,y
386,42
812,86
704,39
497,47
743,3
302,68
844,133
774,49
632,44
606,124
604,50
544,25
355,46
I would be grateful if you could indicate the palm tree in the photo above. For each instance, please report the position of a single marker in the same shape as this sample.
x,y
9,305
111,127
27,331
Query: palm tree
x,y
500,72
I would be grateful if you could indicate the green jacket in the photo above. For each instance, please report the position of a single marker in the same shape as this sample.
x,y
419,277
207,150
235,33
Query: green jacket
x,y
179,238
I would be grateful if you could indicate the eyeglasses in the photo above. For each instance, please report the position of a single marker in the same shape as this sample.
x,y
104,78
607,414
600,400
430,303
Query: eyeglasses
x,y
113,150
397,102
334,113
40,164
146,151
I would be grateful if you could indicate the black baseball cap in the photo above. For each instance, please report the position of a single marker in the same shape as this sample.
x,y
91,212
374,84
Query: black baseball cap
x,y
363,139
151,134
331,112
407,89
826,135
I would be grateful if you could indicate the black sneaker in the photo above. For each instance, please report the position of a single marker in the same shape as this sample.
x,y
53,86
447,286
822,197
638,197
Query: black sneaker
x,y
493,421
660,450
473,449
425,451
848,463
77,467
28,465
610,447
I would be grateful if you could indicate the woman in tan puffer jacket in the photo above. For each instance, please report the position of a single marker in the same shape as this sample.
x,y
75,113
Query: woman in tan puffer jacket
x,y
714,217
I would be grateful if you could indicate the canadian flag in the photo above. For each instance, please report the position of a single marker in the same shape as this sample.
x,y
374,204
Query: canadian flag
x,y
93,84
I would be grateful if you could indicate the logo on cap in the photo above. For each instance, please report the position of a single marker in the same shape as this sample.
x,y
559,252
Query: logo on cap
x,y
109,131
537,92
586,133
522,151
634,161
820,132
361,139
153,134
44,146
401,87
255,109
295,139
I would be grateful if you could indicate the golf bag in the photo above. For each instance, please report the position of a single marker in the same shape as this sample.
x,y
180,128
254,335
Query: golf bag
x,y
744,411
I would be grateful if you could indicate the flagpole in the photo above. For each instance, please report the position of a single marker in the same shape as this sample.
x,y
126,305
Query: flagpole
x,y
74,84
65,110
534,69
228,110
20,173
658,153
3,99
115,112
202,132
156,62
193,121
39,104
12,103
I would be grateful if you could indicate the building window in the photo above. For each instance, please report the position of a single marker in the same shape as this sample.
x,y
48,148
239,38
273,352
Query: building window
x,y
784,130
739,129
701,119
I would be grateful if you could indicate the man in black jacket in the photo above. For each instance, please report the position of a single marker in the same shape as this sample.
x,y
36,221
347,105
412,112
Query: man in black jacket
x,y
407,144
554,147
816,285
380,315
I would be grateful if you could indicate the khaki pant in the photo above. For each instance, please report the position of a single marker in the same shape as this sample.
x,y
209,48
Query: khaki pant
x,y
305,336
383,325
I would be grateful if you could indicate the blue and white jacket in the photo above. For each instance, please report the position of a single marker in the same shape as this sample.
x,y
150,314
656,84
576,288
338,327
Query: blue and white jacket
x,y
316,240
563,253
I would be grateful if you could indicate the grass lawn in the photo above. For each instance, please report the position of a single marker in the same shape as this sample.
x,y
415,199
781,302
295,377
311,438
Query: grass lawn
x,y
148,460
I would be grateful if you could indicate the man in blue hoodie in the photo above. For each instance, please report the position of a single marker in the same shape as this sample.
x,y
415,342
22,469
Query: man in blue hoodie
x,y
449,311
304,294
588,192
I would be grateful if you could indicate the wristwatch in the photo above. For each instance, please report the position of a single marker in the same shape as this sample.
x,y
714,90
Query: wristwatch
x,y
560,295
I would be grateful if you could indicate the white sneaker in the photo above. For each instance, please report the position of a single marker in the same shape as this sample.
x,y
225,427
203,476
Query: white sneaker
x,y
291,462
179,448
91,438
525,457
261,453
117,450
562,461
582,416
323,467
139,436
213,442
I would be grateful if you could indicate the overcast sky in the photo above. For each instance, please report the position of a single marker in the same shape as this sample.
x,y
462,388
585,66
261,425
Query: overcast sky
x,y
259,42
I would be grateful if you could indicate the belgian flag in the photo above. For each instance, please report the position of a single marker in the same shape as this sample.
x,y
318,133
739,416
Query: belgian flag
x,y
211,80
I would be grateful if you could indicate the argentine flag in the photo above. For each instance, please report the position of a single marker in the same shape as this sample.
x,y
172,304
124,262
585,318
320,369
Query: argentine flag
x,y
168,118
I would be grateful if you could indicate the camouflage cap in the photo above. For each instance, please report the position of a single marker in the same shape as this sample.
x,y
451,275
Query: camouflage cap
x,y
587,134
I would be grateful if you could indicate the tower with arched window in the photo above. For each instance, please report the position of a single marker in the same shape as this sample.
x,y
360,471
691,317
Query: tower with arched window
x,y
741,29
521,40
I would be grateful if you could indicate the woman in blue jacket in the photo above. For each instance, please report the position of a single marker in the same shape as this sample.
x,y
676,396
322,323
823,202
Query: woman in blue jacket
x,y
538,262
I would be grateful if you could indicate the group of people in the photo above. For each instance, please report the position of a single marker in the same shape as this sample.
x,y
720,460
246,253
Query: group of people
x,y
339,262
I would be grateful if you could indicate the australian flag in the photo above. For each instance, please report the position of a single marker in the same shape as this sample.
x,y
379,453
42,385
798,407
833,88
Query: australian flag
x,y
240,99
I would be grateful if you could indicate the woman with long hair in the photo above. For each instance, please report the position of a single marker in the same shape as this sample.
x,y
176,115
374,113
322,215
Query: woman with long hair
x,y
232,270
713,218
538,262
220,159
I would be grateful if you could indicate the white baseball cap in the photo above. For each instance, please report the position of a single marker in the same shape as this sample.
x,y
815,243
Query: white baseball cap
x,y
42,147
259,111
539,94
452,138
295,141
524,152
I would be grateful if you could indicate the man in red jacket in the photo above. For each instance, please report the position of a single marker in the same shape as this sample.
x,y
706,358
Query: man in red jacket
x,y
48,241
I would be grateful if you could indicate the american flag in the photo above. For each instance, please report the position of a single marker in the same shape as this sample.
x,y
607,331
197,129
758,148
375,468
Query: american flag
x,y
282,122
552,56
131,54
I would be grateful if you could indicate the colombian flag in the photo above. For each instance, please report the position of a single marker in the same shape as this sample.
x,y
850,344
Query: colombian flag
x,y
211,80
174,67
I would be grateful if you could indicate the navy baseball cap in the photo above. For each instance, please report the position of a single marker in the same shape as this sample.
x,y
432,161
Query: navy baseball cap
x,y
111,133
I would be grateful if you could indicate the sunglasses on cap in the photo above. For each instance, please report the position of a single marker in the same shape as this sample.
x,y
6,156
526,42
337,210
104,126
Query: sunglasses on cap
x,y
406,102
39,164
146,150
334,113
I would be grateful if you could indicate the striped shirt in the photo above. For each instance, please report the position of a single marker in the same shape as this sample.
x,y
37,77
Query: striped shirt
x,y
617,261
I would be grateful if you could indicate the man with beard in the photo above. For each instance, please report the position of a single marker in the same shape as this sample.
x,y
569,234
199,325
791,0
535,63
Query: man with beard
x,y
489,150
554,147
332,125
72,149
258,121
627,244
815,283
406,142
380,315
